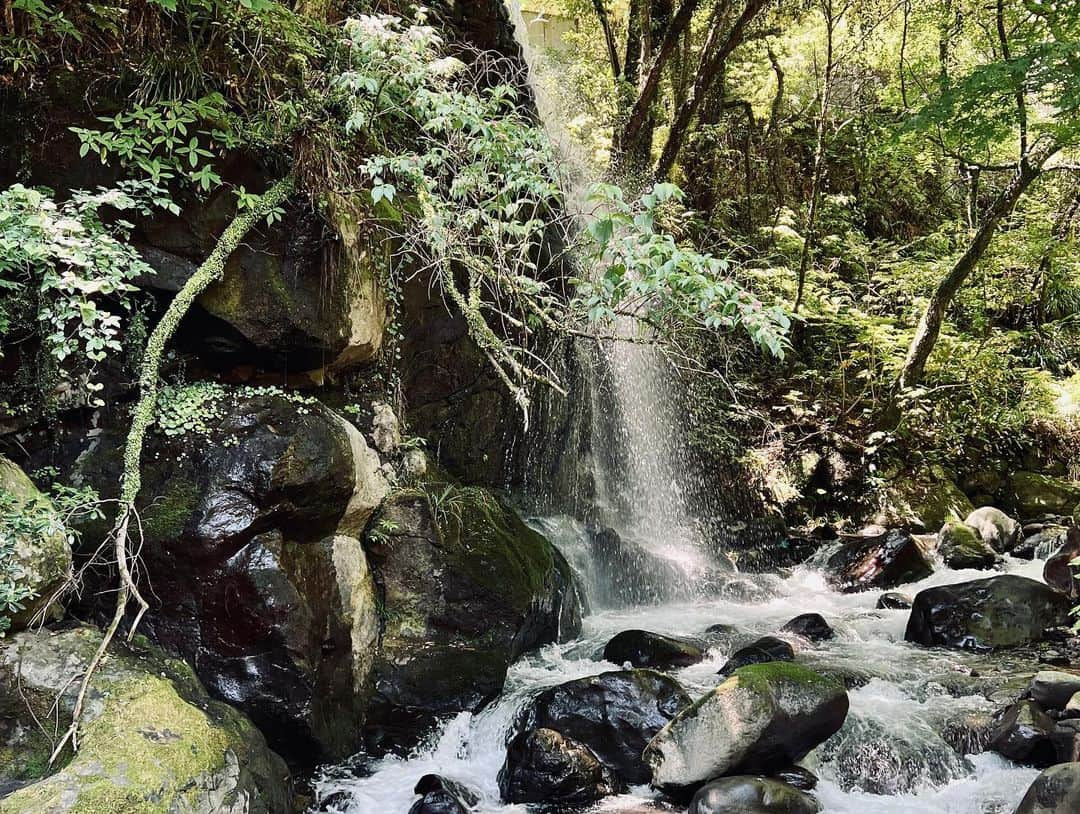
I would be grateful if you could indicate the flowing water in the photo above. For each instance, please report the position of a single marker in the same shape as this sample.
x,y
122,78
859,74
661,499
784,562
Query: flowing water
x,y
915,713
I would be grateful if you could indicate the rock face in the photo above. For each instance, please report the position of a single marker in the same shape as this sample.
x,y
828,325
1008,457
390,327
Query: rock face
x,y
1055,791
632,574
810,626
994,527
306,295
1033,495
1023,735
614,714
152,740
882,561
765,649
41,560
751,795
466,589
258,579
984,614
961,546
641,648
543,766
764,717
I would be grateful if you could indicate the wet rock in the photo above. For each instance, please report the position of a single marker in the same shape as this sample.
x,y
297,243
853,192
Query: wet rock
x,y
892,600
985,614
796,776
884,561
41,560
764,717
765,649
994,527
1054,688
641,648
385,428
467,588
441,796
810,626
1055,791
614,714
962,547
1059,572
720,631
752,795
151,738
543,766
1033,495
258,577
632,575
922,501
1022,734
1066,740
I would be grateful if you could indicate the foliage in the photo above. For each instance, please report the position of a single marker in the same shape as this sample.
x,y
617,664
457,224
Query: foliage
x,y
196,409
66,273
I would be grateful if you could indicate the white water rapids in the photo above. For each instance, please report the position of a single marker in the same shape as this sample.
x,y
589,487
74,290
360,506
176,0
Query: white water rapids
x,y
891,743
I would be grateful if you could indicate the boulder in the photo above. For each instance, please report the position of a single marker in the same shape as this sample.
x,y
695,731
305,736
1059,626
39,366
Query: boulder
x,y
1032,495
630,574
994,527
798,776
1059,572
641,648
891,600
882,561
253,500
466,588
39,560
752,795
543,766
961,546
810,626
1066,740
441,796
763,718
1053,689
151,738
985,614
614,714
922,501
1055,791
1022,733
765,649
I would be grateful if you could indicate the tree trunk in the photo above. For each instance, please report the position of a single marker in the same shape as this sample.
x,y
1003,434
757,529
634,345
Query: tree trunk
x,y
707,72
926,335
609,37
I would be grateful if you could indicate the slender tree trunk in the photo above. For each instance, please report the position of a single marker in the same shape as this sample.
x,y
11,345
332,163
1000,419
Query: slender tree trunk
x,y
902,67
711,62
609,37
922,344
774,136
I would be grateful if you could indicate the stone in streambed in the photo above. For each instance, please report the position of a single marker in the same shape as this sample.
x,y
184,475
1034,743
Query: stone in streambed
x,y
1053,689
881,561
441,796
1066,740
1055,791
1059,572
810,626
1023,735
985,614
543,766
962,547
994,527
764,717
797,776
614,714
752,795
642,648
892,600
765,649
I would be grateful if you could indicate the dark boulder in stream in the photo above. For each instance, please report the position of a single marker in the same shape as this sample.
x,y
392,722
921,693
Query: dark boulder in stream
x,y
467,588
1055,791
1022,733
985,614
891,600
765,649
1059,572
544,766
441,796
614,714
961,546
880,561
752,795
810,626
642,648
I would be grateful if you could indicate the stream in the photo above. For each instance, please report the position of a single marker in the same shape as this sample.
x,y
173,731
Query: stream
x,y
893,754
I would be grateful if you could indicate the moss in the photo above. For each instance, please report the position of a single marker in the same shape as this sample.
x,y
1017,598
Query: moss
x,y
1032,494
763,678
166,517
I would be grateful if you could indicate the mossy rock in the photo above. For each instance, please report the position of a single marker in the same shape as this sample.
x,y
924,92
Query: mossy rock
x,y
1032,495
961,547
922,501
41,561
467,587
763,718
152,741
